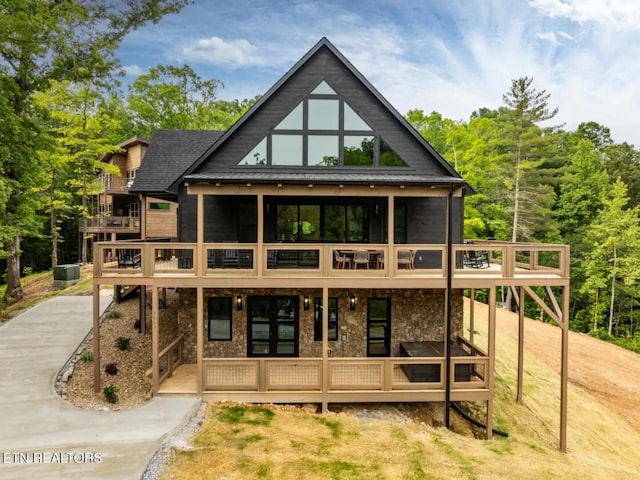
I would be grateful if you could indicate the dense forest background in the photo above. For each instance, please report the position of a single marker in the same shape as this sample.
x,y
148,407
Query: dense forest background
x,y
63,108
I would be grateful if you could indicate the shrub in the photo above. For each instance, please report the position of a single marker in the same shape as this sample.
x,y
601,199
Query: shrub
x,y
111,393
87,356
111,369
27,271
114,314
123,343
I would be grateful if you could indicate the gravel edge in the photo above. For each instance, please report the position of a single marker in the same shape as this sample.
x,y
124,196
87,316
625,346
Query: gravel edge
x,y
61,378
179,438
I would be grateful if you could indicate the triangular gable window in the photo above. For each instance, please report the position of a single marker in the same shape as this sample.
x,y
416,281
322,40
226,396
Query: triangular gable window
x,y
257,156
293,121
323,130
323,89
353,121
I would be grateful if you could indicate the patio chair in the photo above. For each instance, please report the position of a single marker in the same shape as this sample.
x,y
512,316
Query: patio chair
x,y
230,258
341,259
405,260
360,257
380,262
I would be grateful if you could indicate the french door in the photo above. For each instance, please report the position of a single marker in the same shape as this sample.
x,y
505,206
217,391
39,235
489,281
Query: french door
x,y
272,326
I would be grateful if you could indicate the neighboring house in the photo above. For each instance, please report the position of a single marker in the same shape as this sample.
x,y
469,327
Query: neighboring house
x,y
321,258
120,214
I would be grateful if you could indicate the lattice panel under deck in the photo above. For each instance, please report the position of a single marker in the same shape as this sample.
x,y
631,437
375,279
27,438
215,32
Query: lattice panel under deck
x,y
350,374
294,374
232,375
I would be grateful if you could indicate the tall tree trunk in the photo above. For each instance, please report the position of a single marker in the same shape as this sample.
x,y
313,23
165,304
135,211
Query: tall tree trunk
x,y
516,218
613,292
14,286
53,224
54,237
595,311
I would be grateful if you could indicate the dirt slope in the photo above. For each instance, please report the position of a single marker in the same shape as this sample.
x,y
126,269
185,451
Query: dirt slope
x,y
608,373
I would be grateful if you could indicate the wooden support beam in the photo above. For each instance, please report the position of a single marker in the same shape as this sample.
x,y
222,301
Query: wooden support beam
x,y
492,359
325,348
553,300
564,370
200,260
155,339
143,309
96,338
542,304
520,298
472,308
200,338
259,260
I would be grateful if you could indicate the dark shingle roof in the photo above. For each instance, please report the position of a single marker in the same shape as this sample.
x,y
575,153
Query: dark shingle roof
x,y
325,177
170,154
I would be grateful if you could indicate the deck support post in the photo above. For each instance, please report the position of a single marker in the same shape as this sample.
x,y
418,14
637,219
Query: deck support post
x,y
520,344
325,349
472,308
200,338
392,261
155,339
96,338
143,309
259,259
564,374
492,359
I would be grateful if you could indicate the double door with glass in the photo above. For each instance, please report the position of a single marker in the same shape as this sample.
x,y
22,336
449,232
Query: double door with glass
x,y
272,325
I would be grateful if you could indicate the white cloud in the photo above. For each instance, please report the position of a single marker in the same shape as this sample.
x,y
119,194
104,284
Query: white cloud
x,y
550,36
215,50
620,14
133,70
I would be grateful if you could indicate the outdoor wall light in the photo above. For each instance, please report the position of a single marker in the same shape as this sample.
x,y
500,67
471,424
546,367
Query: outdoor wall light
x,y
305,303
238,303
352,303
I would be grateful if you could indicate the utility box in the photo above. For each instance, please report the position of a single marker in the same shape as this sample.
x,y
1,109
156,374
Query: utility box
x,y
66,275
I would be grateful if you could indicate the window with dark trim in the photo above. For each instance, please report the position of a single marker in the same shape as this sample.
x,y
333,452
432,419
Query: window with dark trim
x,y
163,206
220,313
322,222
333,319
378,327
323,130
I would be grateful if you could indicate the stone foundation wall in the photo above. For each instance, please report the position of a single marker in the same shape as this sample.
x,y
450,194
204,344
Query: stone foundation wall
x,y
416,315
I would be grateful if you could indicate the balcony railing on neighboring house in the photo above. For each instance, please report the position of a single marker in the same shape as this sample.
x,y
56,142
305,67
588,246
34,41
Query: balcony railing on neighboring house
x,y
117,185
110,224
490,260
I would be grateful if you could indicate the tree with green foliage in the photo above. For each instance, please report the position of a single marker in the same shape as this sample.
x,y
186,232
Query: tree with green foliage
x,y
525,150
169,97
615,255
77,126
42,41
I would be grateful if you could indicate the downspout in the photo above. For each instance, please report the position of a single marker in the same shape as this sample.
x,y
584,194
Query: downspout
x,y
447,366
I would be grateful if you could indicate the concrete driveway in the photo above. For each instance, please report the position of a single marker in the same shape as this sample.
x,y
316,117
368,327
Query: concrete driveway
x,y
45,437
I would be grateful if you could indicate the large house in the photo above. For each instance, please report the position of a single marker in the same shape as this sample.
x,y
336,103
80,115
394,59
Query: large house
x,y
119,212
320,256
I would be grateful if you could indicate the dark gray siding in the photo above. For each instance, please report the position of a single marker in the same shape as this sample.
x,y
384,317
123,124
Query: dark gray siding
x,y
221,218
323,65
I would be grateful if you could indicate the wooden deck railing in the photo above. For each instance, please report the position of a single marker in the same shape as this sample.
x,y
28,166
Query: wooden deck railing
x,y
490,259
343,374
110,224
170,358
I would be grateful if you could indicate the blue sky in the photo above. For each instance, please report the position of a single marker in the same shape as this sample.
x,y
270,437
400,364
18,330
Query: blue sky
x,y
444,55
